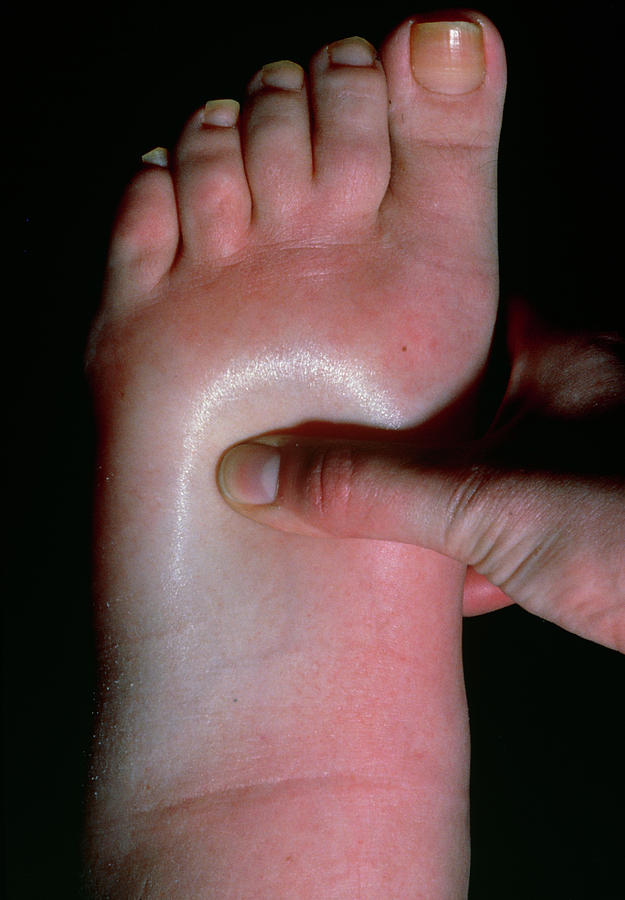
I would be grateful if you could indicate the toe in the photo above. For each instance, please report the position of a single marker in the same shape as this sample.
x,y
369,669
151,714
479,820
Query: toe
x,y
350,135
276,142
213,195
446,82
145,237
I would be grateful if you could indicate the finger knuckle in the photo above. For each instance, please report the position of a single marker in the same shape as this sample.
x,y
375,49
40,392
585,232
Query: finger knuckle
x,y
329,486
466,501
479,511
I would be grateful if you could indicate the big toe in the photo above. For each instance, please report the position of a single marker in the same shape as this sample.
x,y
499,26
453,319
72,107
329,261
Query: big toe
x,y
446,82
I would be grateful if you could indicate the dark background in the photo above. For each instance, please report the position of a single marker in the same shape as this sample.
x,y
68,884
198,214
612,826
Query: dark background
x,y
95,86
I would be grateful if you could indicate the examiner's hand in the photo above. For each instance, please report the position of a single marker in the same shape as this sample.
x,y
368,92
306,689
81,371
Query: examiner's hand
x,y
537,508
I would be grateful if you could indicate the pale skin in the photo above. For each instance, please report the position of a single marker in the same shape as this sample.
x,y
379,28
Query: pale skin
x,y
536,507
276,719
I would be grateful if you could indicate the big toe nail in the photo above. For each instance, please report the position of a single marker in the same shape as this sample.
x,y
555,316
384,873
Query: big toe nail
x,y
448,57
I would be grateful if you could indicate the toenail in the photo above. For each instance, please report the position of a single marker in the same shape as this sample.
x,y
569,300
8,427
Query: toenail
x,y
222,113
354,51
156,157
448,57
249,474
286,75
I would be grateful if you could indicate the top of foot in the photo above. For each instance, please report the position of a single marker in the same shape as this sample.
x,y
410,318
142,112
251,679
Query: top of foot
x,y
370,183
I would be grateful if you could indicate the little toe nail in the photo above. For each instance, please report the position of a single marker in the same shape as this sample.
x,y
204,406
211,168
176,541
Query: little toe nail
x,y
354,51
448,57
249,474
156,157
222,113
285,75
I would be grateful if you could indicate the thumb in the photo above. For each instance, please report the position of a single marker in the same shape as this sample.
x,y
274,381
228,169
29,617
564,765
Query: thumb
x,y
552,542
383,492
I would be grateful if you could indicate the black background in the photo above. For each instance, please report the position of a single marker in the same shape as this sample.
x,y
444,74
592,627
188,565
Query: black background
x,y
92,88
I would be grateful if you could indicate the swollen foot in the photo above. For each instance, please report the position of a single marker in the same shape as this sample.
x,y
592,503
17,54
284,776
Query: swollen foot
x,y
279,717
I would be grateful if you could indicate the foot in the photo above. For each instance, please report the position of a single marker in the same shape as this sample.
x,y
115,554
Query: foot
x,y
281,717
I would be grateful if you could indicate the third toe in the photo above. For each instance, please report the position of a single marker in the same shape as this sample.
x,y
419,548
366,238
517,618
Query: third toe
x,y
276,141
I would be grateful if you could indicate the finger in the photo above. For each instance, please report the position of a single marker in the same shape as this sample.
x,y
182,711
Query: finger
x,y
561,374
480,596
552,543
255,474
366,490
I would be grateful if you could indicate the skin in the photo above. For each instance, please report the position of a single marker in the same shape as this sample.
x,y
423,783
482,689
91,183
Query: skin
x,y
274,721
537,509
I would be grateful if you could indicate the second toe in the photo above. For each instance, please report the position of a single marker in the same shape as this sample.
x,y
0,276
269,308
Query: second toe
x,y
351,149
